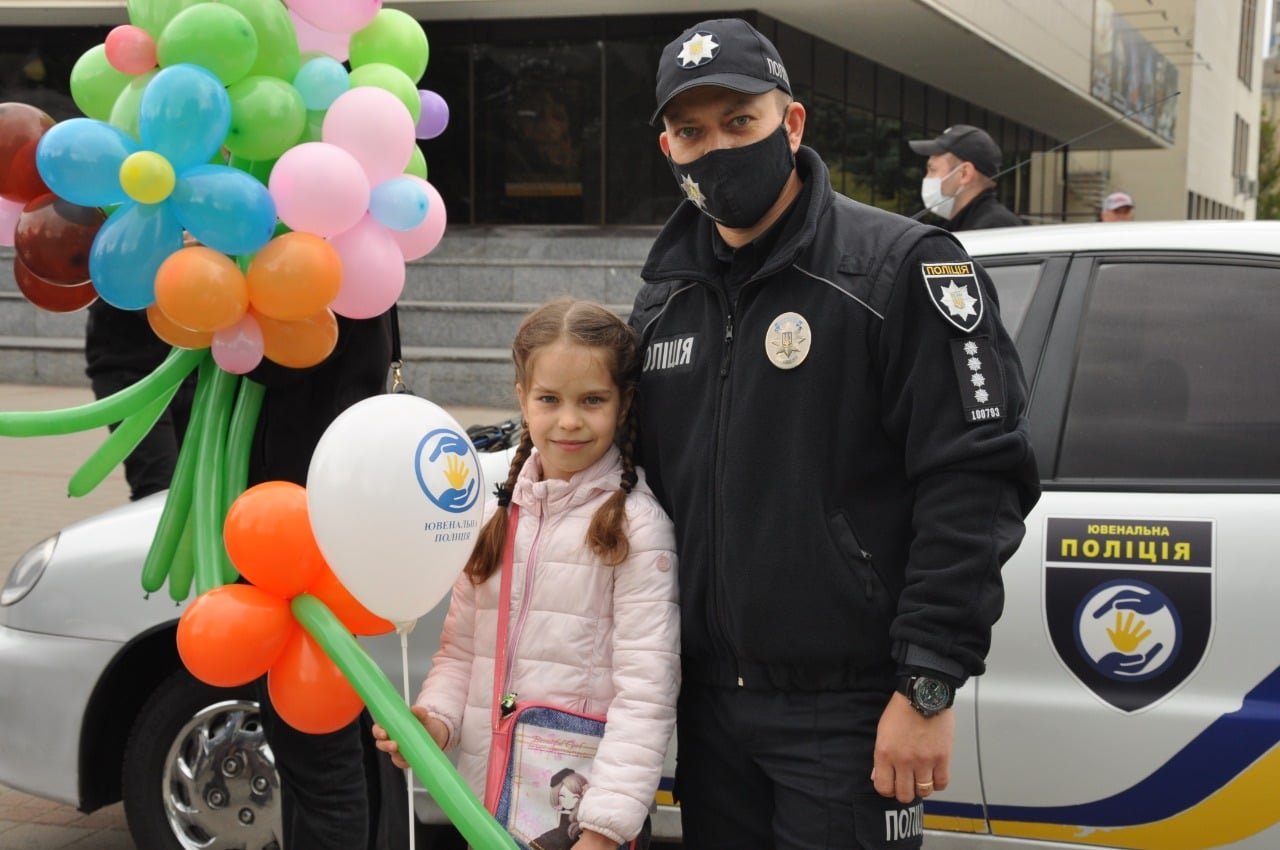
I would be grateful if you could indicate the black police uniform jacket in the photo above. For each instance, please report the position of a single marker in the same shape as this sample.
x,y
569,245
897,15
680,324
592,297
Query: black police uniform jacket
x,y
854,510
983,212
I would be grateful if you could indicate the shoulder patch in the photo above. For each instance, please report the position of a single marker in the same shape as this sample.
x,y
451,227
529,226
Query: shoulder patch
x,y
981,391
953,289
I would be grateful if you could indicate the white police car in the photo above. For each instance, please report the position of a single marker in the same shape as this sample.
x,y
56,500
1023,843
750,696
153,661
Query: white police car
x,y
1132,698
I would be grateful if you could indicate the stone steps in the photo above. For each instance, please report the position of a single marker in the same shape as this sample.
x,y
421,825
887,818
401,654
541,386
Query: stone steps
x,y
459,310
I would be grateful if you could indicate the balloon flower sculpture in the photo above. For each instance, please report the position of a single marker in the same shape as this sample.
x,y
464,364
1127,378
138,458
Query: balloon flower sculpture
x,y
239,183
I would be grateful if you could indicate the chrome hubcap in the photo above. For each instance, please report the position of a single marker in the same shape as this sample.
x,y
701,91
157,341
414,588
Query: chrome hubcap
x,y
220,785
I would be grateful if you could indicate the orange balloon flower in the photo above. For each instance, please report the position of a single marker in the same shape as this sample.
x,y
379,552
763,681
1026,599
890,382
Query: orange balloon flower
x,y
176,334
309,691
269,538
294,277
299,344
233,634
201,289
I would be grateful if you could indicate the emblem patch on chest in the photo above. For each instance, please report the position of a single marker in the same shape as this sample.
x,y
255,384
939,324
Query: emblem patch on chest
x,y
787,341
981,390
953,289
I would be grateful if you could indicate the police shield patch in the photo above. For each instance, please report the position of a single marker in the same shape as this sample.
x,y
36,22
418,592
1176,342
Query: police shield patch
x,y
953,289
1129,603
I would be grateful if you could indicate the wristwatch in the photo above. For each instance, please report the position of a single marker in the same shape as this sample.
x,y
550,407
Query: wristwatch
x,y
928,695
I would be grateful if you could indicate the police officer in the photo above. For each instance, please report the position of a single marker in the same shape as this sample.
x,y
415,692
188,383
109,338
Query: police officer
x,y
959,182
834,417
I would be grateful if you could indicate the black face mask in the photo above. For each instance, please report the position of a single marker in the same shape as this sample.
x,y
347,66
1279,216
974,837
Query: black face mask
x,y
736,186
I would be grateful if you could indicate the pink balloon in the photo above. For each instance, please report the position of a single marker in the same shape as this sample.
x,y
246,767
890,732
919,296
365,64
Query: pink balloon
x,y
372,271
9,212
422,240
310,38
319,188
238,349
336,15
372,125
434,116
130,49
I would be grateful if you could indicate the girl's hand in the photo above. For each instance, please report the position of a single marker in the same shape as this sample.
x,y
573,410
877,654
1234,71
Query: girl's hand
x,y
594,841
383,740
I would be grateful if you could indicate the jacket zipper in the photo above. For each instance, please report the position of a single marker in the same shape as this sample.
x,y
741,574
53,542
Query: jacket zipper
x,y
508,696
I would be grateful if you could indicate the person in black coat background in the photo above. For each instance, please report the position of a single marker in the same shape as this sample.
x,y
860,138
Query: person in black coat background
x,y
959,183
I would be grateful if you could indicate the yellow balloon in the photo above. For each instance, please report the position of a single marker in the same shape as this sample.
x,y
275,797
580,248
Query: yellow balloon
x,y
147,177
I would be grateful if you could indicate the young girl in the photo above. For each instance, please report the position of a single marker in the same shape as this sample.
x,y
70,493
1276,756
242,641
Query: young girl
x,y
594,622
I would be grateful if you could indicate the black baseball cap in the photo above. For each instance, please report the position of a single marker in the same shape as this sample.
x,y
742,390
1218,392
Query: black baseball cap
x,y
966,142
727,52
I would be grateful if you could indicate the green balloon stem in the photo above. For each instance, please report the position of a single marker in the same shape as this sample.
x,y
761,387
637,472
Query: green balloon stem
x,y
118,445
105,411
208,507
177,504
182,567
432,767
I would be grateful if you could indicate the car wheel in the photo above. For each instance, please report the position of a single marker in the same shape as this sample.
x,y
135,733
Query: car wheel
x,y
198,771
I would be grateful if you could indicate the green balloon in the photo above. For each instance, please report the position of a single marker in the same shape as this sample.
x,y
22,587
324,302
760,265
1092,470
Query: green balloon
x,y
314,130
124,112
213,36
432,767
395,38
417,163
95,85
154,15
267,118
277,40
257,167
119,443
383,76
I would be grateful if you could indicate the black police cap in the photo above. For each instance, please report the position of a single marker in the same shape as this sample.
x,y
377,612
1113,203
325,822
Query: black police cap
x,y
967,143
727,52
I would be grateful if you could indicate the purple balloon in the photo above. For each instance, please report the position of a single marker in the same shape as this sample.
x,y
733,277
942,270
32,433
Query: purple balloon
x,y
435,115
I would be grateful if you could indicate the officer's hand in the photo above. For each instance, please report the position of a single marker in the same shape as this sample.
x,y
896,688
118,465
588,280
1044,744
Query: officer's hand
x,y
913,752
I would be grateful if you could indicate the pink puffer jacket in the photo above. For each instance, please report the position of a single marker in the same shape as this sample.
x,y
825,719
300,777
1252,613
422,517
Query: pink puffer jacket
x,y
586,637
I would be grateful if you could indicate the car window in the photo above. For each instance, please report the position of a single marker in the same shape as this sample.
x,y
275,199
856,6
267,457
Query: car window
x,y
1014,285
1173,377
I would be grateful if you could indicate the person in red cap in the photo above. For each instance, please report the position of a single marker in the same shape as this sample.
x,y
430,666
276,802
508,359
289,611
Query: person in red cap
x,y
834,417
1117,206
959,183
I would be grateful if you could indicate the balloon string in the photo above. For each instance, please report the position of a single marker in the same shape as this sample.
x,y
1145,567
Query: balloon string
x,y
408,772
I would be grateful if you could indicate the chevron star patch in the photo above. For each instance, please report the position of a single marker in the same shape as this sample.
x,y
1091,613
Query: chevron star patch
x,y
700,49
954,290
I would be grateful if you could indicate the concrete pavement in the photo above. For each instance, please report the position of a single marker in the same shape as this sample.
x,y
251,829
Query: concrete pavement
x,y
33,504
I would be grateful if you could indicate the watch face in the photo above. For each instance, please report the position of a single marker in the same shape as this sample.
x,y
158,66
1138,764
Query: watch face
x,y
932,695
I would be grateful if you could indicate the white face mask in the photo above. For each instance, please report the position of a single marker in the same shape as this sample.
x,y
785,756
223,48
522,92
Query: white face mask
x,y
931,193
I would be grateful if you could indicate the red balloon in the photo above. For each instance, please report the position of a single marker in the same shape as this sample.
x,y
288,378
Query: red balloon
x,y
308,690
21,126
51,296
54,236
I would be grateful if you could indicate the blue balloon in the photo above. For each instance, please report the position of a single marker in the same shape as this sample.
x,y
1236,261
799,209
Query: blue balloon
x,y
320,82
399,203
224,208
184,115
128,251
80,160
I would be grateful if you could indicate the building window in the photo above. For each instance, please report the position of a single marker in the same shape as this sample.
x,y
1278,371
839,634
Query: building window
x,y
1240,149
1248,18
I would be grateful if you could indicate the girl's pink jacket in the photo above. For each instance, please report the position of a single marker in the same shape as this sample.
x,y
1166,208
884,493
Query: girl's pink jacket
x,y
584,636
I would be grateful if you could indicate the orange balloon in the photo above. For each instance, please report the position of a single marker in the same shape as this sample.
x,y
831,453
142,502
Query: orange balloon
x,y
201,289
233,634
176,334
269,539
299,344
308,690
294,276
358,619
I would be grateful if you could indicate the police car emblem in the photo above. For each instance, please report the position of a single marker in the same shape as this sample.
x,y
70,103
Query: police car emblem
x,y
1128,603
787,341
700,49
953,289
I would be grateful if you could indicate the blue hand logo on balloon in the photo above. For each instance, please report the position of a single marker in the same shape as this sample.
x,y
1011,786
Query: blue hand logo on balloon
x,y
447,470
163,185
1128,630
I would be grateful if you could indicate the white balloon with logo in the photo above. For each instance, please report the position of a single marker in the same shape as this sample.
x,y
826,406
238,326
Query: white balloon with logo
x,y
396,497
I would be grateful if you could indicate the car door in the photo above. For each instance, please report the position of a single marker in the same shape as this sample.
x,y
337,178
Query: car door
x,y
1132,697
